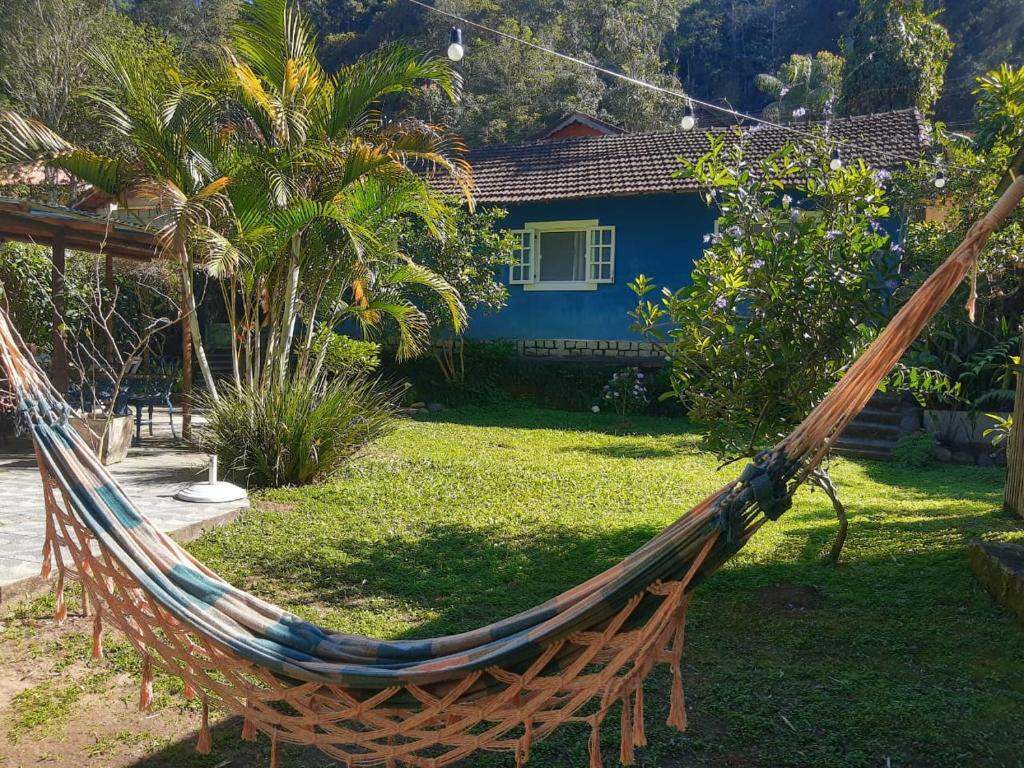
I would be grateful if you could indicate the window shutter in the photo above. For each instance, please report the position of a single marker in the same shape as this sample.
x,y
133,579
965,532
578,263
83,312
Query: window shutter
x,y
521,269
601,254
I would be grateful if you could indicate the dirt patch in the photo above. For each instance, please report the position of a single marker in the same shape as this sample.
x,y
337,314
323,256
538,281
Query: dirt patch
x,y
789,599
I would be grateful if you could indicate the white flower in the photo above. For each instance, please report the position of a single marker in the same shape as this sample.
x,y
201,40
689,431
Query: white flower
x,y
596,409
799,112
787,200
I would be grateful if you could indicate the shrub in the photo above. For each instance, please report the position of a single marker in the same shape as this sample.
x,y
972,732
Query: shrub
x,y
626,392
297,433
345,356
790,288
914,451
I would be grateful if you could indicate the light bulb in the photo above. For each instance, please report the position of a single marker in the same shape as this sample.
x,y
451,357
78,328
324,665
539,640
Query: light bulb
x,y
455,49
940,180
689,120
836,162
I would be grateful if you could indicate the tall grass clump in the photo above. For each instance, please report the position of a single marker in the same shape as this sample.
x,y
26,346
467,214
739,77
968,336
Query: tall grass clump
x,y
299,432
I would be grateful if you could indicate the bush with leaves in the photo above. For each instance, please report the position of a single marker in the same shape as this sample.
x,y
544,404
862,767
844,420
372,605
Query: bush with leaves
x,y
468,258
790,289
914,451
625,392
978,355
299,432
346,357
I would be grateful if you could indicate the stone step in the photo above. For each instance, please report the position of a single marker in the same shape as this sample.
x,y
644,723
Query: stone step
x,y
855,452
1000,567
859,429
880,416
883,401
864,447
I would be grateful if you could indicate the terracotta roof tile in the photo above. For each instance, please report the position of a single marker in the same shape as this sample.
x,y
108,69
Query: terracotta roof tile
x,y
643,163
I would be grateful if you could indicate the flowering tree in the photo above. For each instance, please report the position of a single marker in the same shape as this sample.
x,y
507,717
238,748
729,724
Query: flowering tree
x,y
791,287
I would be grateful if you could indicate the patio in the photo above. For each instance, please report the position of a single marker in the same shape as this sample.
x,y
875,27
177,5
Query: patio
x,y
151,475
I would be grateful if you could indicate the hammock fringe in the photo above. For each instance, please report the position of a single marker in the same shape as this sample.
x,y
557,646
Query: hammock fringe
x,y
146,688
205,741
639,731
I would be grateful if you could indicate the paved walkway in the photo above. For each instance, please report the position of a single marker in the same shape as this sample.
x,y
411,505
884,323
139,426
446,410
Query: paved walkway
x,y
151,475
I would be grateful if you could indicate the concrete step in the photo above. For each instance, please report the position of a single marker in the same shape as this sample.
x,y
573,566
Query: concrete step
x,y
883,401
860,429
854,452
880,415
864,447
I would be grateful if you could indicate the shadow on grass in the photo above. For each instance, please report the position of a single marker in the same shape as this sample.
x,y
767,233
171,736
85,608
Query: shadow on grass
x,y
952,481
635,450
463,576
573,421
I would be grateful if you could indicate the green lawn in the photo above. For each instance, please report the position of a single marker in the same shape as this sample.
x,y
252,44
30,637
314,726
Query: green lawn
x,y
896,658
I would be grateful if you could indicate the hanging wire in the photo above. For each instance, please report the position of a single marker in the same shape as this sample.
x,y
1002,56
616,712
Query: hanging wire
x,y
741,116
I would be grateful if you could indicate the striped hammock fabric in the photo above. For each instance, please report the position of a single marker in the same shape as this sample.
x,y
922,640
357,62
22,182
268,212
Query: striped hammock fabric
x,y
426,702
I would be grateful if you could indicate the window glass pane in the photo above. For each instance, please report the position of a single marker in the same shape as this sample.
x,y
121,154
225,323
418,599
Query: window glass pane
x,y
523,256
563,256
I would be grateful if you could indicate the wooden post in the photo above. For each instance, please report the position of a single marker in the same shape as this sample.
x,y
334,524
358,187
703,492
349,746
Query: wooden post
x,y
1013,493
186,365
57,296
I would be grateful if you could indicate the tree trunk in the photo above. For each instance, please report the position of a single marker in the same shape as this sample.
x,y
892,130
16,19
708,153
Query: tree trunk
x,y
821,478
289,311
191,314
1013,494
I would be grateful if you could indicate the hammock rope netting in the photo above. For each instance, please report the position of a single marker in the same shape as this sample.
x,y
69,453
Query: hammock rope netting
x,y
425,703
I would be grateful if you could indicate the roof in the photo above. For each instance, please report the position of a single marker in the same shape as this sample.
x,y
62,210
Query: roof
x,y
593,125
643,163
31,222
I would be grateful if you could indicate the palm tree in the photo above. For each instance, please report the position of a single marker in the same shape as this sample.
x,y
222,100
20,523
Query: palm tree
x,y
277,177
166,124
804,87
321,172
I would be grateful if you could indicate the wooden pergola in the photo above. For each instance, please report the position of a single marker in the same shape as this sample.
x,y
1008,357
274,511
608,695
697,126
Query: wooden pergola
x,y
62,229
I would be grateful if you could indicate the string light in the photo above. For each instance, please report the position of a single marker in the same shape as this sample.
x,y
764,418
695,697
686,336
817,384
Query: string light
x,y
802,133
940,170
689,121
836,163
455,49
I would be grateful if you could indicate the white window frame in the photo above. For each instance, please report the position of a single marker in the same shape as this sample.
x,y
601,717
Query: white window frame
x,y
525,266
534,229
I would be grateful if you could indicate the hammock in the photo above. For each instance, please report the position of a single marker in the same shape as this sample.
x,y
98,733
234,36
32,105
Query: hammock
x,y
426,703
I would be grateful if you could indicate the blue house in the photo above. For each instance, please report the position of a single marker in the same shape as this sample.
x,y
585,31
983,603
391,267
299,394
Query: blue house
x,y
594,207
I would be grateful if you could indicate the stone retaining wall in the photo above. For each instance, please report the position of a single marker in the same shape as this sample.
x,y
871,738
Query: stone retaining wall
x,y
586,349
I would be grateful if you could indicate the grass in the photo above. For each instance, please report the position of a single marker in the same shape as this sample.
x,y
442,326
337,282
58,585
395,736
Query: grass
x,y
895,658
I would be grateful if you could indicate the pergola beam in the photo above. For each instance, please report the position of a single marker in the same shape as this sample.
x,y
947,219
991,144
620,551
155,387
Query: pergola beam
x,y
62,229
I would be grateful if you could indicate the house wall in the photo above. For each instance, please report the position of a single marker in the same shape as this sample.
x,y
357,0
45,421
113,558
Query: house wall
x,y
657,235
